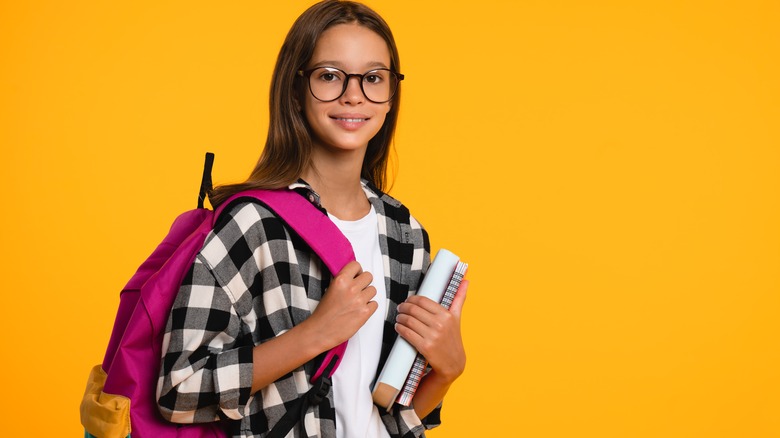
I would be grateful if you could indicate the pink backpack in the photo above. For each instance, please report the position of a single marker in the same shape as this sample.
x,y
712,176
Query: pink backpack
x,y
121,394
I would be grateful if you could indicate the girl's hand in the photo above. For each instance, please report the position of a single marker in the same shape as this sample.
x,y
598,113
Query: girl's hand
x,y
435,332
345,306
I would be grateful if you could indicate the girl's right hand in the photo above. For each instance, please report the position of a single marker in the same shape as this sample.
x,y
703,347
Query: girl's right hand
x,y
346,305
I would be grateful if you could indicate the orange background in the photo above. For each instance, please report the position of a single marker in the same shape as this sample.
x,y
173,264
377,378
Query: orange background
x,y
609,169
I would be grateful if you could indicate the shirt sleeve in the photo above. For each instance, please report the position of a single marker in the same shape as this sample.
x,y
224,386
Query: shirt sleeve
x,y
208,346
207,364
246,286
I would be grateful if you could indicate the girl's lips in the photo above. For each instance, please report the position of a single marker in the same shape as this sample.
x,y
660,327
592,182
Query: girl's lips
x,y
350,122
351,119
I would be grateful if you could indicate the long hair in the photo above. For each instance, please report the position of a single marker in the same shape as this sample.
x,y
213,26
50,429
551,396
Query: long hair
x,y
288,146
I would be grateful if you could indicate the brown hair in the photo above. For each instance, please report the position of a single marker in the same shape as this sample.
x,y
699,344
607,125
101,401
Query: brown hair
x,y
288,145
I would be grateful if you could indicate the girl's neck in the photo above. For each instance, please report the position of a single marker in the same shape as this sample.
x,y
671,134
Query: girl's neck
x,y
336,178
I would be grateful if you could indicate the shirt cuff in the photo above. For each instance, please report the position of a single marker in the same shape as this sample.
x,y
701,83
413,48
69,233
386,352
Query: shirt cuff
x,y
233,381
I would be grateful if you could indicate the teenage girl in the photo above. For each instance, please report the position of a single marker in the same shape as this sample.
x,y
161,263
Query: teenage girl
x,y
253,313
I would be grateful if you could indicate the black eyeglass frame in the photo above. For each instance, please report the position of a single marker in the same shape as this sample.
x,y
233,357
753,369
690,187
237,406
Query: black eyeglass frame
x,y
398,78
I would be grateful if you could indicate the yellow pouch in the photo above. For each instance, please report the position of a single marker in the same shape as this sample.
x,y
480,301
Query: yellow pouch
x,y
104,415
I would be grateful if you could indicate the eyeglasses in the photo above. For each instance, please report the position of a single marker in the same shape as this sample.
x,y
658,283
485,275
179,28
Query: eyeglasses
x,y
327,84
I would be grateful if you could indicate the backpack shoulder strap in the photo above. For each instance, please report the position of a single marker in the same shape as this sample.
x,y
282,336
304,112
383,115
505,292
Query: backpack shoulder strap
x,y
314,227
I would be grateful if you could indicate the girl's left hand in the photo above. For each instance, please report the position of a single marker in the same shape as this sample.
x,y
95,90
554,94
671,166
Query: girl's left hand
x,y
435,332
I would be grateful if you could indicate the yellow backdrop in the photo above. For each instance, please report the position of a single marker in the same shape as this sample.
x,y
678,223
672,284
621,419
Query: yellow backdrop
x,y
610,169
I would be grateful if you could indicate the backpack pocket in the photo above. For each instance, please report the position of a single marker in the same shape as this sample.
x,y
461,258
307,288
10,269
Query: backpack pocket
x,y
104,415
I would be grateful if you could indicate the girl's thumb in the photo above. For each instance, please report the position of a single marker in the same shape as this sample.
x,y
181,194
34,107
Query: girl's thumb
x,y
460,297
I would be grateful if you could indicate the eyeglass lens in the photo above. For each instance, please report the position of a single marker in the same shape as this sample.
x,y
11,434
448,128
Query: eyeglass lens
x,y
327,84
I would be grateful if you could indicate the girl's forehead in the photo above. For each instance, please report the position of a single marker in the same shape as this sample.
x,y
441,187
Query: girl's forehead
x,y
351,45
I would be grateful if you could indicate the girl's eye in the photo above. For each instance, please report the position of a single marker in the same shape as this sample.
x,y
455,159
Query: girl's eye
x,y
329,77
373,78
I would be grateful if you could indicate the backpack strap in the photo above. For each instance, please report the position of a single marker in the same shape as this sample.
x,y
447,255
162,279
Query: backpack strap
x,y
314,227
328,242
296,413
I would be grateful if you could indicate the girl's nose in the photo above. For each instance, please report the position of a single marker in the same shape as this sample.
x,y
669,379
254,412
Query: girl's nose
x,y
354,93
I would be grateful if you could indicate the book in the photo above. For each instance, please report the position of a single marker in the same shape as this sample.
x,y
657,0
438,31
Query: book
x,y
398,366
406,394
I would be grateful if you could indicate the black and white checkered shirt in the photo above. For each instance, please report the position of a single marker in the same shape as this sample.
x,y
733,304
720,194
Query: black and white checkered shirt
x,y
253,280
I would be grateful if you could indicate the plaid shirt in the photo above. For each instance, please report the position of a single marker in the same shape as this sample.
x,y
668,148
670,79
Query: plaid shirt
x,y
253,280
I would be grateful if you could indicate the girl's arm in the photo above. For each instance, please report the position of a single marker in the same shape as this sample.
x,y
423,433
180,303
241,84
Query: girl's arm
x,y
435,332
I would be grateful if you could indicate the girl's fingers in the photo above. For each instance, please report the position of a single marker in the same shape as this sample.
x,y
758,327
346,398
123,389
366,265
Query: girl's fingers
x,y
460,298
424,303
351,270
369,293
420,308
413,324
364,280
422,337
410,335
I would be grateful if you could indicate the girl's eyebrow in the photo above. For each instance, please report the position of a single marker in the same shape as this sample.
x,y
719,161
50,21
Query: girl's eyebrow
x,y
339,64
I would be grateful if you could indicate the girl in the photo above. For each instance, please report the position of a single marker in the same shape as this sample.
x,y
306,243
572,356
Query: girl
x,y
253,315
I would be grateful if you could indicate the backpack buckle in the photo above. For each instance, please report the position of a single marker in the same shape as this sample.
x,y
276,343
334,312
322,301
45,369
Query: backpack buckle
x,y
319,390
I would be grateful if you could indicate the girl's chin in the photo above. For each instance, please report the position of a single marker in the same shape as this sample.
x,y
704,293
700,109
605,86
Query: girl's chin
x,y
346,149
345,145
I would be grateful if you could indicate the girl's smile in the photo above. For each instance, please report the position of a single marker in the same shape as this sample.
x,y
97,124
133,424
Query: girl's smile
x,y
350,121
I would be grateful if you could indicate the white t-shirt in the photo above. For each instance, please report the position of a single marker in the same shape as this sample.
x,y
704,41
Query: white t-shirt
x,y
356,414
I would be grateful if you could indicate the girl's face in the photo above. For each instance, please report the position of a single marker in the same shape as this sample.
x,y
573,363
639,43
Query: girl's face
x,y
350,121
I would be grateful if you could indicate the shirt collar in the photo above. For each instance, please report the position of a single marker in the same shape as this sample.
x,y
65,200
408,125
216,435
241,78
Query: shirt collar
x,y
305,190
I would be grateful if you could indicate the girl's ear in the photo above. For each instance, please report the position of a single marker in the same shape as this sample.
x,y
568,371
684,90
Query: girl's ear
x,y
297,104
